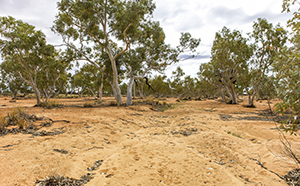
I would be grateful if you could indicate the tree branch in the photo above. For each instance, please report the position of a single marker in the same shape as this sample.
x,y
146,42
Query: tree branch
x,y
126,41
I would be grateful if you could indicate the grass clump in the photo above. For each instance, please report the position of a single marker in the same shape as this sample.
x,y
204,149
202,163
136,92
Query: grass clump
x,y
16,117
113,103
3,123
51,104
149,100
87,105
157,102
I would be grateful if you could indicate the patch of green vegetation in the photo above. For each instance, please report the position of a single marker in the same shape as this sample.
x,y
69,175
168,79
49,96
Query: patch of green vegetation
x,y
233,134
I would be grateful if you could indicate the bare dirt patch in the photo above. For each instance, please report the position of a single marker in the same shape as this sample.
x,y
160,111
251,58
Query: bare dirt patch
x,y
190,143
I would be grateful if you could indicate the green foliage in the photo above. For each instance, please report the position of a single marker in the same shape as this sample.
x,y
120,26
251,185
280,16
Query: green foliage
x,y
87,79
287,69
29,58
208,80
177,82
230,53
160,85
95,24
11,80
241,63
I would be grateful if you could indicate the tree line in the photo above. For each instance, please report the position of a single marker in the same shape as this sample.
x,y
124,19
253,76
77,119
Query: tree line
x,y
260,64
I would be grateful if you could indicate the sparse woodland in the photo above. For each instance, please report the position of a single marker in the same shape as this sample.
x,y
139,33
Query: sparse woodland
x,y
122,52
260,65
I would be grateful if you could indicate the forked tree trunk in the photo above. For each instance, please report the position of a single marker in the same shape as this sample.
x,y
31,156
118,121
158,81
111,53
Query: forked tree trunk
x,y
116,88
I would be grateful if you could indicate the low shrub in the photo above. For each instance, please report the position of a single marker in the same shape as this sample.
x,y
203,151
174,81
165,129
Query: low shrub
x,y
16,117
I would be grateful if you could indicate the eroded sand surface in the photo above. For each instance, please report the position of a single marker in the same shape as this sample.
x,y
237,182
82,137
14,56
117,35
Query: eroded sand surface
x,y
187,145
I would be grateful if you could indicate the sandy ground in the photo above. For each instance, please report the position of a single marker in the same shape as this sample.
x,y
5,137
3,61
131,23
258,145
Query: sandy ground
x,y
194,143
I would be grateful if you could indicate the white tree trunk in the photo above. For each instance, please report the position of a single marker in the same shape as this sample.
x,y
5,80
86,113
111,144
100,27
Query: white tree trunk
x,y
101,90
129,91
117,90
93,93
251,98
133,89
37,94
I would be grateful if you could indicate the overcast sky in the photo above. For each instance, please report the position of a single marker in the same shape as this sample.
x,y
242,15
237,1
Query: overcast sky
x,y
202,18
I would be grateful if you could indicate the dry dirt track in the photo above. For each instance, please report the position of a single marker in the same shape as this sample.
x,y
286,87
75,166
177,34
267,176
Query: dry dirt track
x,y
195,143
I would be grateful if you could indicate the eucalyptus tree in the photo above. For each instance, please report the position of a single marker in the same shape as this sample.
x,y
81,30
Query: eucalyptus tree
x,y
11,79
267,42
230,54
88,78
210,80
160,85
177,83
92,26
189,86
25,51
152,54
288,68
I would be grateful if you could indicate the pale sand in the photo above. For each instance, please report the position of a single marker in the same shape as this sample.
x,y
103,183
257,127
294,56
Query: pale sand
x,y
139,146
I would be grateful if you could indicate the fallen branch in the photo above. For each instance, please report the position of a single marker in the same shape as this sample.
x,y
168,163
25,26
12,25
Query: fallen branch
x,y
262,165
